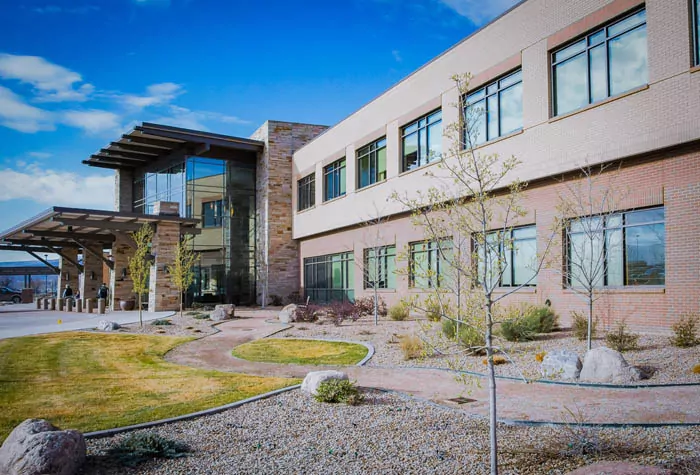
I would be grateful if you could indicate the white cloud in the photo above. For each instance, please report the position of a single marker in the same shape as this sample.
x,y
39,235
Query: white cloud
x,y
92,121
18,115
51,82
40,155
57,188
156,95
478,11
189,119
397,55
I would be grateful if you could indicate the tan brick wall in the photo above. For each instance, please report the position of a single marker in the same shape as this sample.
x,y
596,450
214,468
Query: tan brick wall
x,y
69,273
91,265
670,178
163,295
123,190
121,285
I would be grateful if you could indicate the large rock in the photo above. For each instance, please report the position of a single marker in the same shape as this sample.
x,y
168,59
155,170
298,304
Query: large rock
x,y
223,312
288,313
35,447
604,365
315,378
563,364
107,326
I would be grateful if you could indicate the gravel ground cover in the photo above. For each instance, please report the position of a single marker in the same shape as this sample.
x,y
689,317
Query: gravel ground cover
x,y
389,434
187,325
667,363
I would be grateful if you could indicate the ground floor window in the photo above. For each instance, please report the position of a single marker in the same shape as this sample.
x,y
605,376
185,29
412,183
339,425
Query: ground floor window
x,y
380,267
330,278
429,263
509,258
619,249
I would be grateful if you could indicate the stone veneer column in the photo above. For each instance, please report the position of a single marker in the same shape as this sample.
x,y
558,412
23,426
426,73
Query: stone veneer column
x,y
273,200
69,273
91,265
120,283
123,190
163,295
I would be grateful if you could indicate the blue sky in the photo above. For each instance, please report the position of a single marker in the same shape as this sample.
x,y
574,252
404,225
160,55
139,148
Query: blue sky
x,y
76,74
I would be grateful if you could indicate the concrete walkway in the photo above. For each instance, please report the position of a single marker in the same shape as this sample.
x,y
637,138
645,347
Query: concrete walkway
x,y
517,401
25,319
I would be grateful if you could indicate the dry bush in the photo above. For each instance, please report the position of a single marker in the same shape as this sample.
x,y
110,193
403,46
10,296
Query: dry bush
x,y
580,325
399,312
411,346
686,331
621,340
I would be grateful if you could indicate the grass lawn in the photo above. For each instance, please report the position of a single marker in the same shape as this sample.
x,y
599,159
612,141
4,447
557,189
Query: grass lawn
x,y
289,350
90,381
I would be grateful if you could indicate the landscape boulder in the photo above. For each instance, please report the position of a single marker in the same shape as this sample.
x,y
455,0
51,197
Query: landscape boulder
x,y
562,363
107,326
35,447
288,313
315,378
605,365
223,312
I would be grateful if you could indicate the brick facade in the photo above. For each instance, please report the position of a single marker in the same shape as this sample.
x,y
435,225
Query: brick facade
x,y
92,272
120,283
163,295
69,272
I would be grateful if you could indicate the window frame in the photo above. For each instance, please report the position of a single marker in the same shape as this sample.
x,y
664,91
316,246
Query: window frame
x,y
588,46
439,246
622,227
347,265
335,169
383,253
419,127
306,192
511,260
371,150
218,217
695,16
497,93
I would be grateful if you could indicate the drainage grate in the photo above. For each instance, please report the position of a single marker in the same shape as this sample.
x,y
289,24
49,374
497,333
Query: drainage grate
x,y
461,400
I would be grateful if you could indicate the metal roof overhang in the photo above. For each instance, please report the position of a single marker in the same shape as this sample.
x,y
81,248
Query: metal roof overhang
x,y
149,143
58,228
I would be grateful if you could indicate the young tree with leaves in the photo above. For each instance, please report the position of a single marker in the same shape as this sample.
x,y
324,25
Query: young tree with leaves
x,y
376,259
468,218
140,263
182,270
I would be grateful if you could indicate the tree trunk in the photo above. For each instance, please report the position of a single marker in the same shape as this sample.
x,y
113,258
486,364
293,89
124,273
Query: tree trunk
x,y
590,320
181,305
376,306
140,312
492,390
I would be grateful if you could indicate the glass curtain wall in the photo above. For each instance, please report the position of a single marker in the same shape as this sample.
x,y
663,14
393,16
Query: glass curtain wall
x,y
221,194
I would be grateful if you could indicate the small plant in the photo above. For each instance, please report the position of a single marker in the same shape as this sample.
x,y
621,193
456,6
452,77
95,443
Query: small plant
x,y
547,319
136,448
696,369
189,328
686,331
161,322
580,326
337,312
399,312
339,390
196,331
468,336
411,346
276,300
621,340
307,313
539,357
365,306
434,310
519,329
497,360
200,316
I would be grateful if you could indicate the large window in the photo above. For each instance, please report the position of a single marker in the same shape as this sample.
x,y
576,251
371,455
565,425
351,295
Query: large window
x,y
509,258
494,110
696,30
422,141
617,249
380,267
330,278
607,62
334,179
212,214
306,192
371,163
429,263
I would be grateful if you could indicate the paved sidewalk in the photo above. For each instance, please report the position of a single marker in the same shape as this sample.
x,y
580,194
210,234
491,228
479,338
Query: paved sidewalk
x,y
517,401
25,319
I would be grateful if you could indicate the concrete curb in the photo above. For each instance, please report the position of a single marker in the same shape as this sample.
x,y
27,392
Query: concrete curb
x,y
207,412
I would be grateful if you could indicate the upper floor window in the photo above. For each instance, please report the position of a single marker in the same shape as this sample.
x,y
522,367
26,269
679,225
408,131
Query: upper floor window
x,y
696,30
306,192
380,267
334,180
605,63
422,141
212,214
617,249
494,110
371,163
509,258
429,263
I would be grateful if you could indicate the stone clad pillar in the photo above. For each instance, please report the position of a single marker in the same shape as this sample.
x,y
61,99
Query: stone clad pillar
x,y
120,284
69,273
92,272
162,294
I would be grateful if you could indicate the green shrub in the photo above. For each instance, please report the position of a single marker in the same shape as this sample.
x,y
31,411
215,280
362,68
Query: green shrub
x,y
547,319
468,337
580,325
434,311
136,448
161,322
339,390
621,340
523,328
686,331
399,312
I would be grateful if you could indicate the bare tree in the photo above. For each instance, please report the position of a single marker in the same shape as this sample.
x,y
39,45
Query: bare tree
x,y
139,264
182,270
468,221
592,237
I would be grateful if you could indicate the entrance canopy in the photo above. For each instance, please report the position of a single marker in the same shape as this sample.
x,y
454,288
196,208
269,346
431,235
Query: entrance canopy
x,y
150,143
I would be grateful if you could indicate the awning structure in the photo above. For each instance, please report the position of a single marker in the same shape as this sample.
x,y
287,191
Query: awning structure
x,y
150,143
60,228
